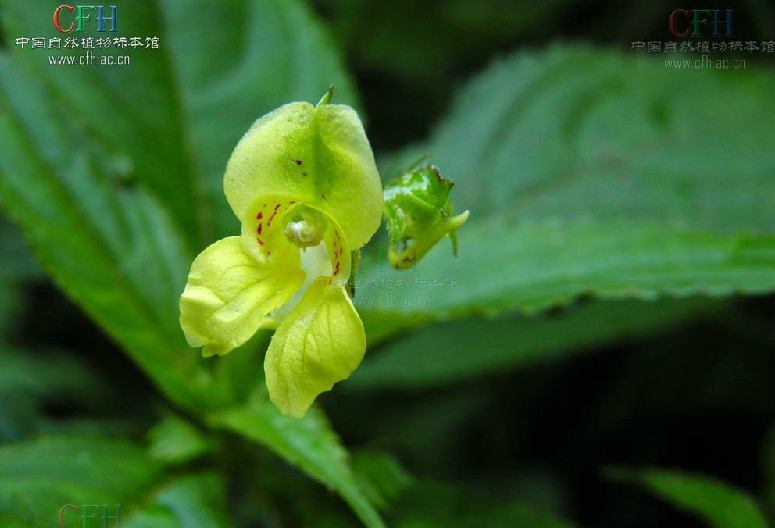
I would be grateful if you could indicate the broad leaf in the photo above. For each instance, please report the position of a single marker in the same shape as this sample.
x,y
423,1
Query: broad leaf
x,y
112,248
459,350
587,172
718,504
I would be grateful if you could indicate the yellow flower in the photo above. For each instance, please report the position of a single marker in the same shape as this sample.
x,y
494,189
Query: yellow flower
x,y
304,185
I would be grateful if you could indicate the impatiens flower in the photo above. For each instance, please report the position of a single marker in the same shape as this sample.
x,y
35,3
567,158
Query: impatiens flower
x,y
303,183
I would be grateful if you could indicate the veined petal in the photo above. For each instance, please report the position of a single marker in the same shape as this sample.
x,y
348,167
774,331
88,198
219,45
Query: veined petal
x,y
319,343
316,155
229,293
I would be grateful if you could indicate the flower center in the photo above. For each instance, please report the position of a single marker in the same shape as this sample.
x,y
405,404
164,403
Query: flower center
x,y
305,226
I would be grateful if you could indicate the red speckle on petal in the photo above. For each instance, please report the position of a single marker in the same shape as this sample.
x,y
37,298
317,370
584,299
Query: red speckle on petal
x,y
259,216
276,207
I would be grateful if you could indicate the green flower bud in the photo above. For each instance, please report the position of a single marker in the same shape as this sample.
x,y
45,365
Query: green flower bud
x,y
419,214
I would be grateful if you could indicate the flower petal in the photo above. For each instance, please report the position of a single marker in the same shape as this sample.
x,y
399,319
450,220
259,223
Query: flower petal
x,y
316,155
321,342
229,293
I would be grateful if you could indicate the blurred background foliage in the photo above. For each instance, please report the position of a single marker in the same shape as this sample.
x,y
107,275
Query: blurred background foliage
x,y
600,354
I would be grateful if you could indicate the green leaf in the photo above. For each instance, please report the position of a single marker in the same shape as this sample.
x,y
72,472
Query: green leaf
x,y
459,350
92,473
16,266
38,478
575,132
713,501
17,262
307,442
532,266
112,249
174,440
380,476
190,501
589,172
171,117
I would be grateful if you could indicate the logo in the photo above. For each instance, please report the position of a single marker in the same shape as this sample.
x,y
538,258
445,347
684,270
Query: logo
x,y
89,516
79,16
697,22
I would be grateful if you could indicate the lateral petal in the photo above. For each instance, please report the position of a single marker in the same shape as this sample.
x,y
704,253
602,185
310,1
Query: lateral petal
x,y
319,343
229,293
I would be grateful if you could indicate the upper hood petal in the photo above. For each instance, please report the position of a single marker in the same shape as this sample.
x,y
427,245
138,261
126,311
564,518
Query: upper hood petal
x,y
318,156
